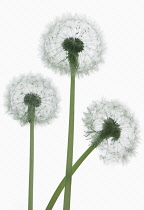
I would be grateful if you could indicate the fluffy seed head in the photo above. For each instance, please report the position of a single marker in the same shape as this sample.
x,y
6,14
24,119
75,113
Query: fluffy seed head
x,y
116,125
76,35
32,91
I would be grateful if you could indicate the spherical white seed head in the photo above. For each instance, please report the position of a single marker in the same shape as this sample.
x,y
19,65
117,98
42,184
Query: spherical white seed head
x,y
71,34
114,122
32,90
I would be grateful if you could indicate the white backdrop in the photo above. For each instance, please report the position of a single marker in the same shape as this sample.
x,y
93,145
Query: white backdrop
x,y
95,186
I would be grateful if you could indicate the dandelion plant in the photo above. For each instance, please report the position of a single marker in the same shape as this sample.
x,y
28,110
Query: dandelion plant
x,y
110,127
72,45
32,99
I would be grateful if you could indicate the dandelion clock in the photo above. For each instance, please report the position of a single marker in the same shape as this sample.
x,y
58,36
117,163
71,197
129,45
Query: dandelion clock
x,y
32,99
110,127
72,45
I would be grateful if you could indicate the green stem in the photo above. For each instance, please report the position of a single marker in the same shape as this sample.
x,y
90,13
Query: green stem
x,y
62,183
74,168
68,180
31,167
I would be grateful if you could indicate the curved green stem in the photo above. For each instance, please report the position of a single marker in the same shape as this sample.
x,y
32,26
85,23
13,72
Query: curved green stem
x,y
74,168
68,179
62,183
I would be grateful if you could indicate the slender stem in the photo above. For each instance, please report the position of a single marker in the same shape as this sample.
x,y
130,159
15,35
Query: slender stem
x,y
62,183
31,166
68,180
74,168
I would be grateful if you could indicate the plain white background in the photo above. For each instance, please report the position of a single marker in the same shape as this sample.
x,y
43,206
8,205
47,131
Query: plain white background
x,y
95,186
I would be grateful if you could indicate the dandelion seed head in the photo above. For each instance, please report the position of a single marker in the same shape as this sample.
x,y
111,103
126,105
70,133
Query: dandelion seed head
x,y
34,90
116,125
76,35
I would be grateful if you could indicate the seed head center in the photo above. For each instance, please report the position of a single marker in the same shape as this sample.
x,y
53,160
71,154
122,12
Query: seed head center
x,y
32,99
111,128
73,45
